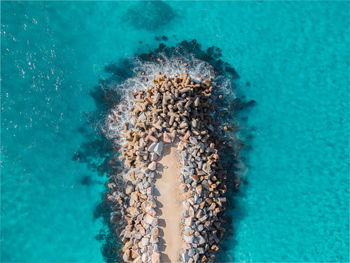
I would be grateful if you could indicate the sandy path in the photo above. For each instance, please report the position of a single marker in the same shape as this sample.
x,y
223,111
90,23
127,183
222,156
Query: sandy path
x,y
170,203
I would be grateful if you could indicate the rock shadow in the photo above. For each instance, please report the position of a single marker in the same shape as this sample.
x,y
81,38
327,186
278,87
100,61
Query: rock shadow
x,y
150,15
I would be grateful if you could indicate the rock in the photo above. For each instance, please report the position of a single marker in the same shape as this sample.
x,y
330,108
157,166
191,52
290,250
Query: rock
x,y
200,250
194,177
193,140
167,138
201,240
199,189
194,123
140,176
148,219
133,211
203,218
188,221
154,239
155,248
212,206
133,198
134,254
214,247
129,189
183,155
196,102
144,257
159,148
126,255
185,257
151,138
155,231
191,252
183,125
200,227
188,239
138,236
152,166
145,241
186,136
155,257
154,157
152,146
199,213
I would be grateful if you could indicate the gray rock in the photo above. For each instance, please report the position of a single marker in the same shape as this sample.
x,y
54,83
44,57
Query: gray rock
x,y
201,240
152,146
200,227
192,165
188,239
185,256
191,252
206,168
185,213
158,149
193,140
190,150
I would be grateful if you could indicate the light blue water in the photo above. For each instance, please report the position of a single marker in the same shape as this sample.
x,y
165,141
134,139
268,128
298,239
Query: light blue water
x,y
295,55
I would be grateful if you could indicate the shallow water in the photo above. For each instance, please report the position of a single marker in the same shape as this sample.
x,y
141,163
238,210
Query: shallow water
x,y
295,56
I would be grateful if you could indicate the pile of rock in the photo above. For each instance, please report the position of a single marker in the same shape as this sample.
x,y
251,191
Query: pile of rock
x,y
173,110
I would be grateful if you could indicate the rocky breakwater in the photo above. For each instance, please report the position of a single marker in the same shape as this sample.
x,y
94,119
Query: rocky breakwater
x,y
173,111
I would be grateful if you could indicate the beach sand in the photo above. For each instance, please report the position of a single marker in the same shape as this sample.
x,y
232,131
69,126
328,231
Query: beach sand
x,y
170,202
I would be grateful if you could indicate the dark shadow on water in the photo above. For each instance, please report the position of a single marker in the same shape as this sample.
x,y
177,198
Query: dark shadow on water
x,y
100,155
149,15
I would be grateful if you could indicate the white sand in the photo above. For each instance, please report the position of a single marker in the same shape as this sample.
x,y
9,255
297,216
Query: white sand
x,y
170,199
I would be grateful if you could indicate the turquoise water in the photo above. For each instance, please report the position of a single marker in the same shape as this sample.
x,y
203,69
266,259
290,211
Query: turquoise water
x,y
295,55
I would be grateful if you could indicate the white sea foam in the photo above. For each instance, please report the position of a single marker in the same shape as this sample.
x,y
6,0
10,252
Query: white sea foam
x,y
173,66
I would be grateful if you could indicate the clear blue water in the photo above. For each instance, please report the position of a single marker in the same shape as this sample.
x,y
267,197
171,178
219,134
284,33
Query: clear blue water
x,y
295,206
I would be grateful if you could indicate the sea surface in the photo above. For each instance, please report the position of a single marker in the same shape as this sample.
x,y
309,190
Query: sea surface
x,y
293,60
